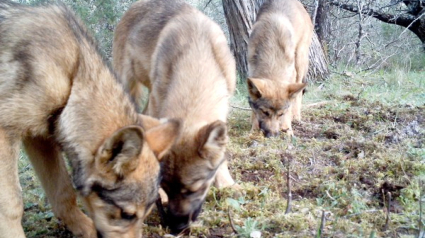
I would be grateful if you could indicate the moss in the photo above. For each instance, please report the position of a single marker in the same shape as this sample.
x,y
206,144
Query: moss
x,y
345,155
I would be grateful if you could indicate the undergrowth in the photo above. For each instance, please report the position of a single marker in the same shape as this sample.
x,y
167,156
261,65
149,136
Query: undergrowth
x,y
361,137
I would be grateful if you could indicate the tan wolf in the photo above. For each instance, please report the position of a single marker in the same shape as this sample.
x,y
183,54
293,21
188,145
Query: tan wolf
x,y
57,95
278,63
183,58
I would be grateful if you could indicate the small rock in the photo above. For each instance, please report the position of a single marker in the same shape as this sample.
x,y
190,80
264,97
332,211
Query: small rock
x,y
254,144
255,234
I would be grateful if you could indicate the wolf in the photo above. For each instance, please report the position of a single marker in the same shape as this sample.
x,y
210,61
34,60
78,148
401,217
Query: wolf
x,y
182,57
278,63
57,96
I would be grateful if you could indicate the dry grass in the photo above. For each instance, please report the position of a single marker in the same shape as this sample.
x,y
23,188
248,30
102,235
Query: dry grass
x,y
347,153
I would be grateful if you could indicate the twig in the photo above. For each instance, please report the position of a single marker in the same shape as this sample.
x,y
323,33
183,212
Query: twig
x,y
360,213
332,198
242,108
288,184
322,225
358,95
387,220
421,231
317,104
206,5
231,221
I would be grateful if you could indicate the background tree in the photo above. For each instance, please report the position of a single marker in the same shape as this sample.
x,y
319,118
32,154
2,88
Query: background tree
x,y
351,40
240,16
321,22
408,13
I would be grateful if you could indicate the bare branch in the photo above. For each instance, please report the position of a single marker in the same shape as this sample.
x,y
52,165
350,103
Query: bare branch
x,y
289,185
412,22
387,220
206,5
231,221
421,229
402,20
322,225
241,108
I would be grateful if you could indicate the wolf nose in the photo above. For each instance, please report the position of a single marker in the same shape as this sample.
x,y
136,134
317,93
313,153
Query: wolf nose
x,y
178,230
269,134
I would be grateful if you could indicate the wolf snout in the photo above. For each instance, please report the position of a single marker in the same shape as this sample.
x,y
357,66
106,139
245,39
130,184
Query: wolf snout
x,y
180,223
269,133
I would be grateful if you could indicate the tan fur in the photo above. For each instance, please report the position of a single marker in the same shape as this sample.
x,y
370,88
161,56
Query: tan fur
x,y
278,63
184,60
57,95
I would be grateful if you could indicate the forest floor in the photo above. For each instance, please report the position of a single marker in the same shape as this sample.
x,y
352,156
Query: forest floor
x,y
360,139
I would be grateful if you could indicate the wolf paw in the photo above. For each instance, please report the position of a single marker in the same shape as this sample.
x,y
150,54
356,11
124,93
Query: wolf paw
x,y
82,227
289,133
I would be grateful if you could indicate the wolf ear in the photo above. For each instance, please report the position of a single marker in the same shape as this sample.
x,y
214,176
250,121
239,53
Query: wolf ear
x,y
160,138
295,88
118,155
212,140
255,87
148,122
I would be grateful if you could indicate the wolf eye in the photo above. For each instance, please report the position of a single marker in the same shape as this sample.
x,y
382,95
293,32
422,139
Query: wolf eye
x,y
265,112
127,216
280,114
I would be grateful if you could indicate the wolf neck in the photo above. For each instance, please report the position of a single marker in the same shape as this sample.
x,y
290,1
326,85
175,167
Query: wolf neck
x,y
97,106
201,100
195,89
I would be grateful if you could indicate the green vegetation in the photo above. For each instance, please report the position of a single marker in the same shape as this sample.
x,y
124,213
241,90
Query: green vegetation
x,y
361,137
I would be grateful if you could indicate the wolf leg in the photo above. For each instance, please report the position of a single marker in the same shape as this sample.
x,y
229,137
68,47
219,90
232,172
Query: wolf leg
x,y
286,124
11,206
296,107
301,66
223,178
254,122
49,165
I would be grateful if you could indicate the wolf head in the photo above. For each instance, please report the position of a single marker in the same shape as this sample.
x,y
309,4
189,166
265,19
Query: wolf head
x,y
188,171
124,179
271,104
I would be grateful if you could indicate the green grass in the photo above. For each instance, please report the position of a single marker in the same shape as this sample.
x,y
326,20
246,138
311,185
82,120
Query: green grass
x,y
366,140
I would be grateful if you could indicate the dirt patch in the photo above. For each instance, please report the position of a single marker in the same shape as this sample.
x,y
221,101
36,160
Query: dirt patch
x,y
306,192
219,232
304,130
256,176
331,134
411,129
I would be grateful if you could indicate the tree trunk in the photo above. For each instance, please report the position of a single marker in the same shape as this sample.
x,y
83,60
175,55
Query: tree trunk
x,y
318,62
322,23
240,16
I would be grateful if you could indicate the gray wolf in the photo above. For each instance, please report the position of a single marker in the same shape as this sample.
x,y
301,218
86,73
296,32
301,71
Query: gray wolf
x,y
58,96
182,57
278,63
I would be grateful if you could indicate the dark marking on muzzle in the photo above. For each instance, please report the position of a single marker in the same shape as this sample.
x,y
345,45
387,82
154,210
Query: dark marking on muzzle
x,y
99,234
178,224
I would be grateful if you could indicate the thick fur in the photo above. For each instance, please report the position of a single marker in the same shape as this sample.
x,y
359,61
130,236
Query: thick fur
x,y
278,63
184,60
57,95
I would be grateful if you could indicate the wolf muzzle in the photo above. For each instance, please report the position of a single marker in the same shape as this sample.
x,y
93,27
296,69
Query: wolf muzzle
x,y
179,223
